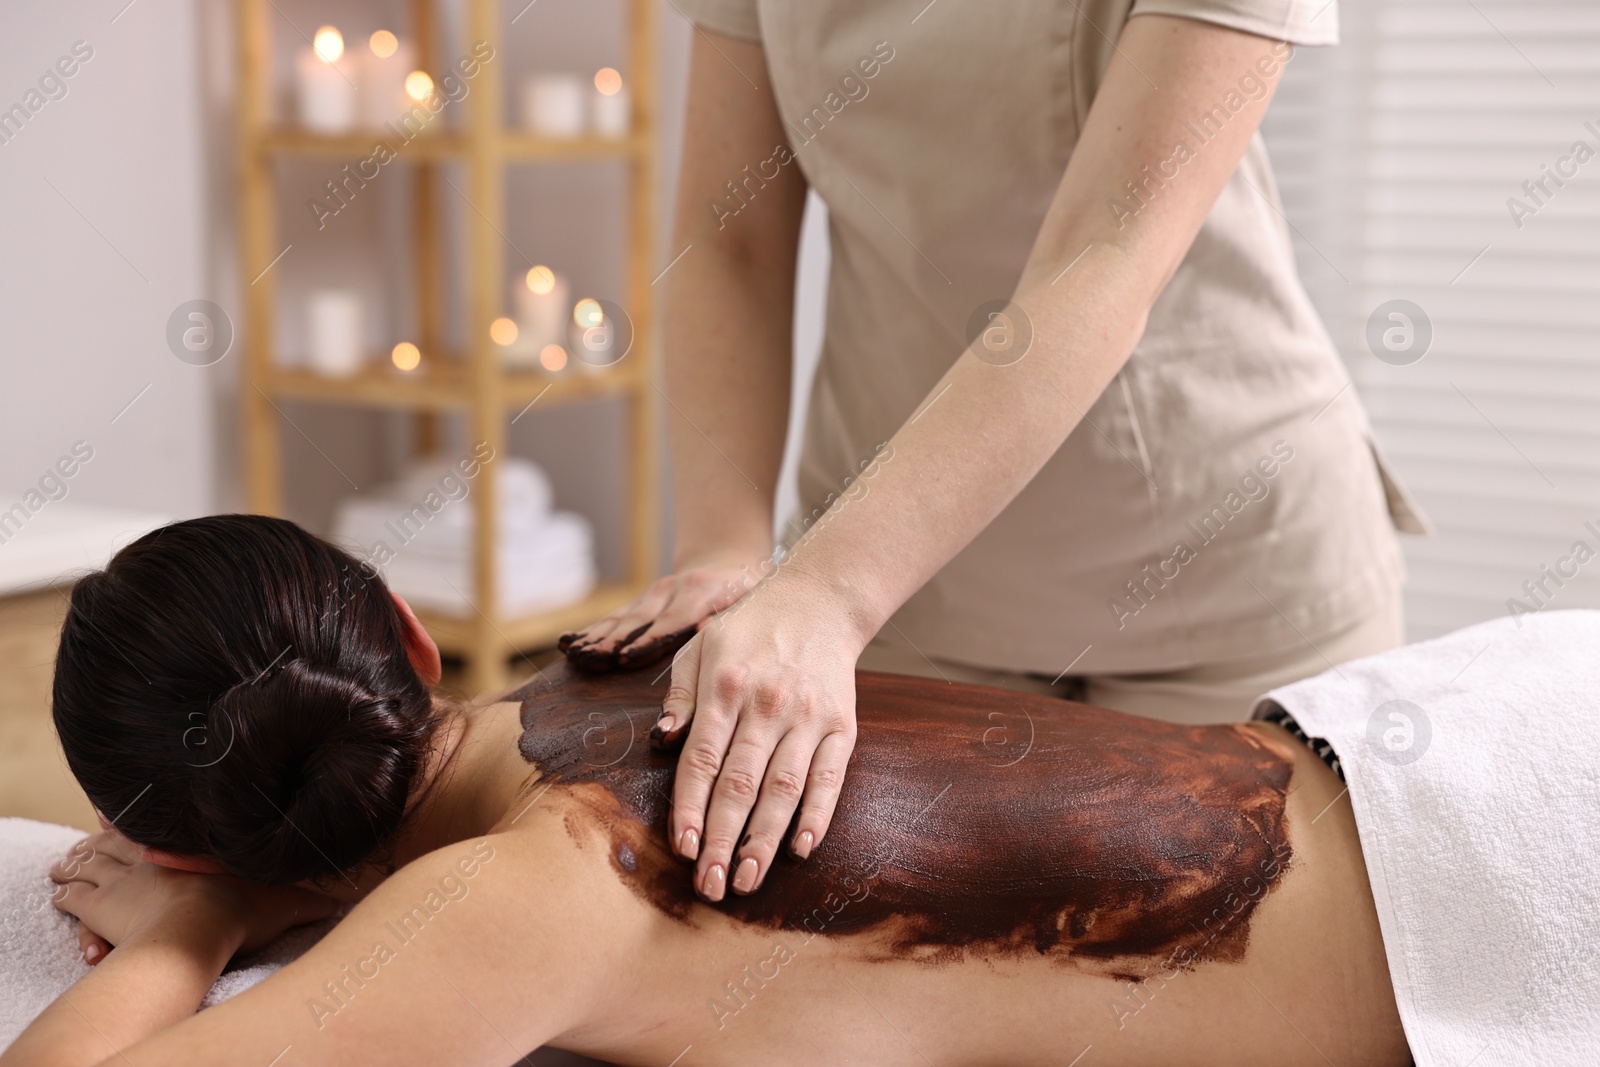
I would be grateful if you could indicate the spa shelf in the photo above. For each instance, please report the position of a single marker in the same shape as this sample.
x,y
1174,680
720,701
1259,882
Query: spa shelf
x,y
478,148
514,147
443,386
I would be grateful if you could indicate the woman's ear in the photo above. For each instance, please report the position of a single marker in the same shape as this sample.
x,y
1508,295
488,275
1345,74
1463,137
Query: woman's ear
x,y
420,648
179,862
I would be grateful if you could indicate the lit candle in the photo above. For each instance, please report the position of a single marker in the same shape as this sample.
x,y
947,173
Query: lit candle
x,y
384,67
326,90
610,106
553,358
592,336
553,105
503,332
543,302
334,332
406,357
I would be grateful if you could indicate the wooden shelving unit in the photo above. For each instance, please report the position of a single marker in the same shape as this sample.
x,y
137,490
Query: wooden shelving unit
x,y
473,381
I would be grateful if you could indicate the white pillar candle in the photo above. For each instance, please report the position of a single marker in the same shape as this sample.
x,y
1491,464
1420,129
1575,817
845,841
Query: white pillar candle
x,y
383,79
553,105
334,332
325,84
544,301
611,112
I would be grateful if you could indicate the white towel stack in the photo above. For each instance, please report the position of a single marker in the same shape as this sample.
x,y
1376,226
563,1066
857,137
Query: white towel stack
x,y
419,533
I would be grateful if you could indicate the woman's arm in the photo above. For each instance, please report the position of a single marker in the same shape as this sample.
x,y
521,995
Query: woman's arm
x,y
729,313
769,684
463,932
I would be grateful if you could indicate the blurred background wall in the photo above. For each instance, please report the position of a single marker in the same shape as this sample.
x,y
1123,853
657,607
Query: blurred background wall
x,y
1398,154
104,225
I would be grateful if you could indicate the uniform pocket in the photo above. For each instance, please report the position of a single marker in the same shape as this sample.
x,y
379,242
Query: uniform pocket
x,y
1404,511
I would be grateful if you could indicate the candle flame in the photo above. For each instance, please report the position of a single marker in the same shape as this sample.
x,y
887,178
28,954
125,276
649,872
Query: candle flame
x,y
608,81
383,44
588,313
418,85
328,43
503,331
541,280
553,358
406,356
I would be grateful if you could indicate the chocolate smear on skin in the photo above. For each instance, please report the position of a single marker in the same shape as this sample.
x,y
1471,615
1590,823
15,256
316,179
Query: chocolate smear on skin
x,y
972,820
626,656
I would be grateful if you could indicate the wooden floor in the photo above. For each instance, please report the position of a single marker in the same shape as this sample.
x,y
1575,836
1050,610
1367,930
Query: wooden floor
x,y
34,780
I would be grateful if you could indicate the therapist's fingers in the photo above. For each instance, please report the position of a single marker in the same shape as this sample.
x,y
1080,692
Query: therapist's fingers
x,y
655,644
595,645
822,789
733,796
678,706
781,789
697,594
697,771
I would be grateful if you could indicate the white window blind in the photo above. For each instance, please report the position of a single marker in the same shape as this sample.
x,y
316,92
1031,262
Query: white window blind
x,y
1397,154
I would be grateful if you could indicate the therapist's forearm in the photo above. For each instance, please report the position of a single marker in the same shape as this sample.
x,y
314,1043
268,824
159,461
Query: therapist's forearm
x,y
727,372
730,307
984,431
975,443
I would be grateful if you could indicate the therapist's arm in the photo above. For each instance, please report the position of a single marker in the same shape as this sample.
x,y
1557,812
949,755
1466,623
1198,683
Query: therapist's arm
x,y
729,309
770,682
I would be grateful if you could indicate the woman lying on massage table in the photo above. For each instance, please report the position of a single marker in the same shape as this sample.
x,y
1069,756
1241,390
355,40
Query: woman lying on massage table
x,y
1008,879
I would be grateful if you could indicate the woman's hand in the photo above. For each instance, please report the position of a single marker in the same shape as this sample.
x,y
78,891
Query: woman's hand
x,y
119,897
665,616
767,692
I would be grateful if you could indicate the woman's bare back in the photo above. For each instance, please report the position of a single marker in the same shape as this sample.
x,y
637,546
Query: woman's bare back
x,y
1008,878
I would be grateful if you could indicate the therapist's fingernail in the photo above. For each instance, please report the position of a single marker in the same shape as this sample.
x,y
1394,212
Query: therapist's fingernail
x,y
744,879
802,844
715,882
689,844
92,954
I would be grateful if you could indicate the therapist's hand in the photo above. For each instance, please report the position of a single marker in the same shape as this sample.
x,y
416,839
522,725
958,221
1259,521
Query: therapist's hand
x,y
658,622
767,694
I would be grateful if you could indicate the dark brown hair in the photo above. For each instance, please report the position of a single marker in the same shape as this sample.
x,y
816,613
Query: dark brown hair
x,y
236,688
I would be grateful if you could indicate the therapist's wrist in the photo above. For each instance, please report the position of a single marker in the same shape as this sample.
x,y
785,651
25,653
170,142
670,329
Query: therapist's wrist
x,y
831,599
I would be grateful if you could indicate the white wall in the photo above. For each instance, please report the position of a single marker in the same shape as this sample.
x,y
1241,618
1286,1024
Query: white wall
x,y
101,210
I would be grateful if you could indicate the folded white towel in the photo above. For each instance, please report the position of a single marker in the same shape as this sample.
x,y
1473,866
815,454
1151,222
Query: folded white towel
x,y
39,955
424,509
1471,762
522,487
557,569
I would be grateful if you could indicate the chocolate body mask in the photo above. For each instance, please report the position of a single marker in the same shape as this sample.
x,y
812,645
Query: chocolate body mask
x,y
971,820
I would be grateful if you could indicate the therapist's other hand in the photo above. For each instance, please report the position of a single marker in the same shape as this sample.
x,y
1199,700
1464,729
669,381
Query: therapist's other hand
x,y
661,619
767,694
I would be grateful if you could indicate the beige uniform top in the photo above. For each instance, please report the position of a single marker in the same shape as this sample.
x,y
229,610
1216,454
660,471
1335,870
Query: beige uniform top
x,y
1215,504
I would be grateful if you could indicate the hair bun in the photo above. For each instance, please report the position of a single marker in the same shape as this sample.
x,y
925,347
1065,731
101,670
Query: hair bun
x,y
240,690
305,771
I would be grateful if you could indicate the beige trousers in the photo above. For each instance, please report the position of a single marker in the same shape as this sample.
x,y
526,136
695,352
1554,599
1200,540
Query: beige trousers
x,y
1211,692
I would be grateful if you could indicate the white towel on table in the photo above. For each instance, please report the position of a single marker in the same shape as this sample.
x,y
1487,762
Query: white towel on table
x,y
1479,818
39,955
